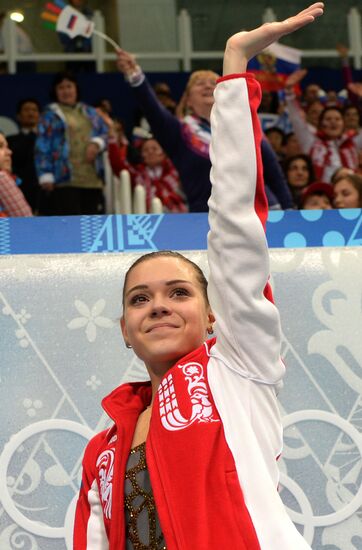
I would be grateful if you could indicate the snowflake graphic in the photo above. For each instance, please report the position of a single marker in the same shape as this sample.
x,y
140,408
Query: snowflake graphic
x,y
32,407
90,318
23,316
93,382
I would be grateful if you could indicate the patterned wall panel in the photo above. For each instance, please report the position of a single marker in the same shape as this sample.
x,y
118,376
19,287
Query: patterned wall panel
x,y
62,351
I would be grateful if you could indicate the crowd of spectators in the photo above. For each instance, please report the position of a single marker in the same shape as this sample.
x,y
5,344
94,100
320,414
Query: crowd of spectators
x,y
311,147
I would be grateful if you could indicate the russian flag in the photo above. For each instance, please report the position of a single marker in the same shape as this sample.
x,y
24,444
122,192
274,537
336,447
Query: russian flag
x,y
273,65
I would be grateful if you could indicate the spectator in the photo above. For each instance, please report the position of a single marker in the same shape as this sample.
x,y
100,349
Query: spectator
x,y
312,92
352,118
163,93
313,112
340,172
105,106
22,146
317,196
291,146
348,191
71,136
332,146
299,173
12,201
186,139
155,173
276,138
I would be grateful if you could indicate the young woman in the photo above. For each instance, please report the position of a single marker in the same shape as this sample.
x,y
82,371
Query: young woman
x,y
299,173
348,191
190,462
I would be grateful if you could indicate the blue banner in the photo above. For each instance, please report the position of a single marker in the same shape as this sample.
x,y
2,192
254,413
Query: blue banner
x,y
149,232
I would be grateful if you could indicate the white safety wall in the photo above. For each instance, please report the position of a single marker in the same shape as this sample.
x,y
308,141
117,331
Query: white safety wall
x,y
62,352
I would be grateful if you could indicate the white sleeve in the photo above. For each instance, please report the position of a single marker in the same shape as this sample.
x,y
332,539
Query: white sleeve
x,y
247,322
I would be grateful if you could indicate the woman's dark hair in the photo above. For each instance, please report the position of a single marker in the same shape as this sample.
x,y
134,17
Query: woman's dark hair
x,y
356,181
308,162
201,279
326,110
59,77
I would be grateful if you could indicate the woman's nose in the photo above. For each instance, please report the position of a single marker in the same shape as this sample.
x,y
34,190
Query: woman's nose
x,y
159,307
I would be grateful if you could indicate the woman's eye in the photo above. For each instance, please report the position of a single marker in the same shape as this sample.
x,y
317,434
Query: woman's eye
x,y
138,299
180,292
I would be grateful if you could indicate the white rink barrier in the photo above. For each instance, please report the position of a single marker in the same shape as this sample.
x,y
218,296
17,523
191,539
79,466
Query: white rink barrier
x,y
62,351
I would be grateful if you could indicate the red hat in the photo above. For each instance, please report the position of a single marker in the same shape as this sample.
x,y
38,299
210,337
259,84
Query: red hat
x,y
318,188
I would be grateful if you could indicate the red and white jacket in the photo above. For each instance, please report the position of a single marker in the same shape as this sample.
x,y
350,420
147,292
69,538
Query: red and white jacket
x,y
215,430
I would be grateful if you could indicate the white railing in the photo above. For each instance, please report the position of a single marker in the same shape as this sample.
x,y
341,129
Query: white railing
x,y
126,202
185,54
120,198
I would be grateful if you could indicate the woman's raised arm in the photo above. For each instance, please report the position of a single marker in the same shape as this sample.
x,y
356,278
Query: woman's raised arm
x,y
247,324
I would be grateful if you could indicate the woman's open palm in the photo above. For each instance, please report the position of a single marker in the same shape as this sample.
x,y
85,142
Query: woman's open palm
x,y
246,44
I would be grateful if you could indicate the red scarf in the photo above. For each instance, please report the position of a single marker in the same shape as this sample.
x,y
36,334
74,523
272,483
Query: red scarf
x,y
166,187
321,152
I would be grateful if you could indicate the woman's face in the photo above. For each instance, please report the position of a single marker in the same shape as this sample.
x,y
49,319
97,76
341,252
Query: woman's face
x,y
313,113
152,153
165,312
298,173
346,195
332,124
201,94
351,118
5,154
66,92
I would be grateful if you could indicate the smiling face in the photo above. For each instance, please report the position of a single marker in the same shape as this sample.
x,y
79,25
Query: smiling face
x,y
66,92
346,195
152,153
5,154
332,123
200,92
165,312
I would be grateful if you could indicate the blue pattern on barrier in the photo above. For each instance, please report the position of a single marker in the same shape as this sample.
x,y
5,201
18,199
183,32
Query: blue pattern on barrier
x,y
5,247
148,232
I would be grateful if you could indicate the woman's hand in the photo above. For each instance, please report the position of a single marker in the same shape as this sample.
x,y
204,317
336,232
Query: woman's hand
x,y
244,45
109,121
355,88
126,62
91,152
294,78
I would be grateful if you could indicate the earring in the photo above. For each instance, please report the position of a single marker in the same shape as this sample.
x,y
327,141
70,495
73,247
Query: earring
x,y
128,346
210,330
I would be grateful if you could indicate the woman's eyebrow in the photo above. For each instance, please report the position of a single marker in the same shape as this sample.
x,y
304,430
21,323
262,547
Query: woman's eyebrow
x,y
137,287
167,283
177,281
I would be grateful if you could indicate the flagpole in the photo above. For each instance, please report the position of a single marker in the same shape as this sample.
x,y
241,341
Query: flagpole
x,y
107,38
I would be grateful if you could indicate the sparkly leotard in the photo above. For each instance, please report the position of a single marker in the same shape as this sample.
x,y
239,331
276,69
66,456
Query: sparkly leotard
x,y
142,523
